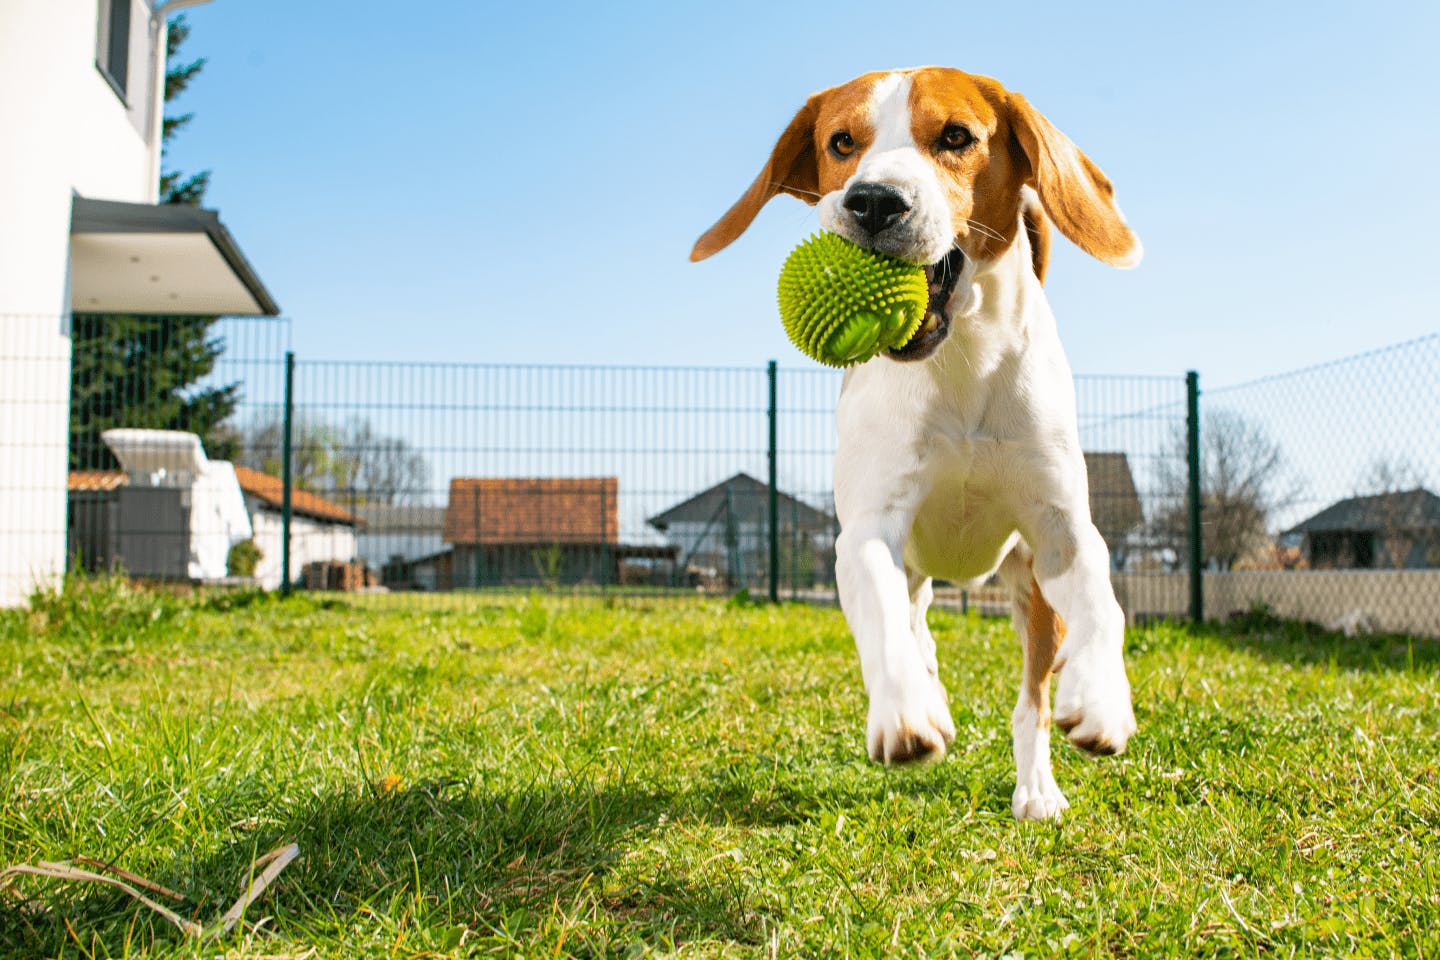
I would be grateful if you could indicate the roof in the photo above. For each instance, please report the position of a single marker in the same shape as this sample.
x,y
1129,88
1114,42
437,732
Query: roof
x,y
747,497
94,481
271,491
401,518
1417,509
533,510
1114,502
259,485
160,258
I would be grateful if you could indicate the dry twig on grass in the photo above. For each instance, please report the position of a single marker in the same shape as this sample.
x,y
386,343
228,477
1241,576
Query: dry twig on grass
x,y
131,884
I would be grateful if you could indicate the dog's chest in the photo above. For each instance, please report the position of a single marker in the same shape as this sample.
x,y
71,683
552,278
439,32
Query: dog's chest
x,y
965,523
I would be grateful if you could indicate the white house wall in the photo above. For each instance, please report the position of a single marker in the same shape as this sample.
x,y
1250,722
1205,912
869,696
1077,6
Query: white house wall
x,y
64,131
311,541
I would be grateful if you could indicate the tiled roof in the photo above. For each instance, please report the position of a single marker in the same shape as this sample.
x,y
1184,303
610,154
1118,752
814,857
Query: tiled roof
x,y
541,510
94,481
303,503
262,486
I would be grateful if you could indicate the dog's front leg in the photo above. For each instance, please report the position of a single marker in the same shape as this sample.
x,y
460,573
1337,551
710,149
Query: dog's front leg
x,y
908,718
1092,695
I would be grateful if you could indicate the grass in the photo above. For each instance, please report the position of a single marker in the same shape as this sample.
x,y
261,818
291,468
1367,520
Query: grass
x,y
548,777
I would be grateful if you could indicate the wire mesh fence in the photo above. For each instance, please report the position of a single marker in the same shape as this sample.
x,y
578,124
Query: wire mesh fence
x,y
155,484
1319,492
423,481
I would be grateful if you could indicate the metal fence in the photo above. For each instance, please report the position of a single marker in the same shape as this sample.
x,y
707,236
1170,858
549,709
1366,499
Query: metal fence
x,y
422,481
472,476
1343,462
150,507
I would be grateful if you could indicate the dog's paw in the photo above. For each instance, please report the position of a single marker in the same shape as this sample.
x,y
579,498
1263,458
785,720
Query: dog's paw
x,y
903,730
1040,799
1092,701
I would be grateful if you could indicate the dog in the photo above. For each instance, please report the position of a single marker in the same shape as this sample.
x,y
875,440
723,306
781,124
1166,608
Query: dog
x,y
959,454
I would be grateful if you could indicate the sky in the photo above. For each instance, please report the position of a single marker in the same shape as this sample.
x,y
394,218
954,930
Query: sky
x,y
522,183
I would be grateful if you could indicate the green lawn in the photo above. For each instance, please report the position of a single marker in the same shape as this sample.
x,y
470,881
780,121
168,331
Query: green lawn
x,y
575,777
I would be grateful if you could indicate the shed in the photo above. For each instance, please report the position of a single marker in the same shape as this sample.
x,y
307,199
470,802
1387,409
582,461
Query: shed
x,y
722,532
1396,530
507,530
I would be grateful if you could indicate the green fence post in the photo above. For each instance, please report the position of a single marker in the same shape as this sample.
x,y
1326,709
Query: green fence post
x,y
774,498
1192,456
286,472
605,540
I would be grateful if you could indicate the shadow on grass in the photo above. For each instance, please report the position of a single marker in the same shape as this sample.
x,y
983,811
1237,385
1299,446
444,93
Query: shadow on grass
x,y
435,858
1297,642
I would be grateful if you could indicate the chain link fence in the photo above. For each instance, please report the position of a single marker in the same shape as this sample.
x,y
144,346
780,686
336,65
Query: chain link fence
x,y
1320,492
422,483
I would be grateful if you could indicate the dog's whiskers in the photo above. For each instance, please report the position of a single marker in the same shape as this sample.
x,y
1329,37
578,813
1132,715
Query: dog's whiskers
x,y
783,186
984,231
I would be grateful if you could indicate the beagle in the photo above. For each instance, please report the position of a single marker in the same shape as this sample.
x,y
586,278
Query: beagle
x,y
959,454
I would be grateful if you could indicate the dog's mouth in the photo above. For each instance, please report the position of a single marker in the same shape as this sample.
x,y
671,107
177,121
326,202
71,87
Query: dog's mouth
x,y
942,276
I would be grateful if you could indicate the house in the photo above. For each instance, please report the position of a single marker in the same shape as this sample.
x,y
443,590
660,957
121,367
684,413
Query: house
x,y
1384,531
81,105
172,514
1114,503
320,531
394,536
176,529
721,534
531,531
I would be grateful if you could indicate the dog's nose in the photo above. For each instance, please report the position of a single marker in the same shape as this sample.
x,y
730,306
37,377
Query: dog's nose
x,y
875,206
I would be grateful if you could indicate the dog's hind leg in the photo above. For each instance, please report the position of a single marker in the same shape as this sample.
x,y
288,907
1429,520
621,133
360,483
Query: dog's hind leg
x,y
1037,796
1072,567
922,594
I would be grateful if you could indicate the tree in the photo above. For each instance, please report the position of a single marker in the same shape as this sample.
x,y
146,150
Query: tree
x,y
132,371
386,469
146,371
174,186
353,463
1243,483
1394,483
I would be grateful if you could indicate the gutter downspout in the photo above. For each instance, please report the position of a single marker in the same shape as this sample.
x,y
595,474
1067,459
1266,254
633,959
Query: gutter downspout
x,y
159,38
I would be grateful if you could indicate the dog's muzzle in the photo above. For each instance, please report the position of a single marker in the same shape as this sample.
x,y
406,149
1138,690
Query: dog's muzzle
x,y
942,276
875,207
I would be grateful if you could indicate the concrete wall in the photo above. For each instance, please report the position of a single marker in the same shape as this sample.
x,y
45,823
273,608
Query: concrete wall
x,y
1404,601
64,132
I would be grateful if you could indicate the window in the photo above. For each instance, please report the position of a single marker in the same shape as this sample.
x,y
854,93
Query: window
x,y
112,45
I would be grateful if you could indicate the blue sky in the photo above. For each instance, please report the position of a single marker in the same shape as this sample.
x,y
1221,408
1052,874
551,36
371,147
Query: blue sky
x,y
522,183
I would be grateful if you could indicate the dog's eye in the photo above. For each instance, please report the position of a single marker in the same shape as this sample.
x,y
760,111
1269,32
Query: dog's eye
x,y
842,144
955,137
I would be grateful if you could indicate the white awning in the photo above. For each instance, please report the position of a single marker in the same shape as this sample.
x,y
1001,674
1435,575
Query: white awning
x,y
159,258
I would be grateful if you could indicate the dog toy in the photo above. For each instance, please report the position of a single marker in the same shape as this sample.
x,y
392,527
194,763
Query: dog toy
x,y
842,304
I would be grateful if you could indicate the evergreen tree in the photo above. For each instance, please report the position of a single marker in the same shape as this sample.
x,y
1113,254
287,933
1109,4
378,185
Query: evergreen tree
x,y
140,371
175,187
143,371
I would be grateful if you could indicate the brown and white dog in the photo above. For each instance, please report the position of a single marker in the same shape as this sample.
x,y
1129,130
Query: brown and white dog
x,y
959,454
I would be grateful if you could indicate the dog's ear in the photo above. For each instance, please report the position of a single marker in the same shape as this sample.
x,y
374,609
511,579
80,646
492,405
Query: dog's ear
x,y
1032,215
1077,196
791,169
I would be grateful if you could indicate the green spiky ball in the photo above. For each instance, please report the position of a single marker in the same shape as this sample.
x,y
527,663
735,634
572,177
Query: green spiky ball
x,y
842,304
